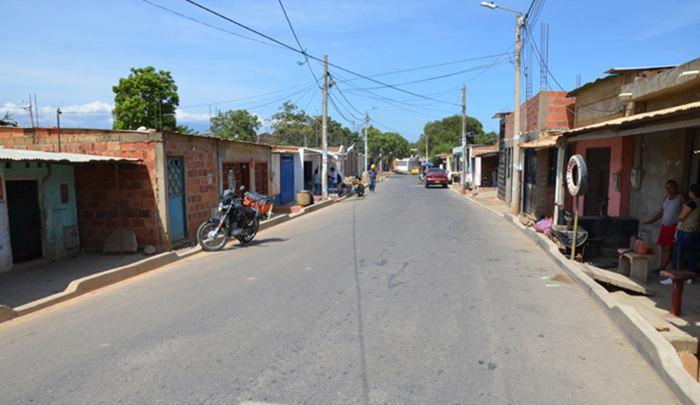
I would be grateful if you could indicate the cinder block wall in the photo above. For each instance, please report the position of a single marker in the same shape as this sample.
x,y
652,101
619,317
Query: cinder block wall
x,y
201,179
96,187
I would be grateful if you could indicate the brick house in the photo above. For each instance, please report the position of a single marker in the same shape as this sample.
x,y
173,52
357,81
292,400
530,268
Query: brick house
x,y
165,196
546,115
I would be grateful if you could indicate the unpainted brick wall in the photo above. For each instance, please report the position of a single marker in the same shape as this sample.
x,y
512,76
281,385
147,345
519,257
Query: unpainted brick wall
x,y
200,163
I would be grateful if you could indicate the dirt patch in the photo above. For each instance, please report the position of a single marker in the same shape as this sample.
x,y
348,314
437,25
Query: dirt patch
x,y
563,278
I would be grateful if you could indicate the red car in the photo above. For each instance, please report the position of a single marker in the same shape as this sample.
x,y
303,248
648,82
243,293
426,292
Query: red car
x,y
436,177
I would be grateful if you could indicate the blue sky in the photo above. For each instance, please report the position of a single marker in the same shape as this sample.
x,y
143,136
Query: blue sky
x,y
70,54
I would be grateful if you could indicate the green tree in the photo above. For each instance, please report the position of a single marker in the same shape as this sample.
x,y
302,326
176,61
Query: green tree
x,y
446,134
488,138
337,134
386,144
291,126
184,129
240,125
146,98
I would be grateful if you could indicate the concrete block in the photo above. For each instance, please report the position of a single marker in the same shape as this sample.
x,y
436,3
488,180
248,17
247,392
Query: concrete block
x,y
6,313
690,363
112,246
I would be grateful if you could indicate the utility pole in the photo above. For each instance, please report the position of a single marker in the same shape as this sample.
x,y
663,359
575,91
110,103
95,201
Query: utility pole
x,y
464,139
364,170
515,207
58,123
31,114
324,170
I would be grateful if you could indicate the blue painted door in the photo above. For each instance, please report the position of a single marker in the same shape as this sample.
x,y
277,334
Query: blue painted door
x,y
287,178
176,198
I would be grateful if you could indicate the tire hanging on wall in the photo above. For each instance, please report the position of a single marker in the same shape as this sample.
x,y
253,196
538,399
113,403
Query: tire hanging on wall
x,y
577,175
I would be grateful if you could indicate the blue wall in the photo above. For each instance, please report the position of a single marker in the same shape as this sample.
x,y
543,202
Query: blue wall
x,y
55,214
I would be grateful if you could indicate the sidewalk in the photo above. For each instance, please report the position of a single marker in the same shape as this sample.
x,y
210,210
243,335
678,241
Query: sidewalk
x,y
668,343
38,284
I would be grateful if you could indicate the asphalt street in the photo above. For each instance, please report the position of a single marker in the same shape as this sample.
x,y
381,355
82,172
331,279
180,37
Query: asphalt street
x,y
405,296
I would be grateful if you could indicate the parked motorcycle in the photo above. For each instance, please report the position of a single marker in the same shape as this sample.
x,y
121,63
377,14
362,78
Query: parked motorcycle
x,y
357,186
237,219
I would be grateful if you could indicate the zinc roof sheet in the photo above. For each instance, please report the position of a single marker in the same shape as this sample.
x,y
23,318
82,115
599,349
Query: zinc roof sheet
x,y
18,155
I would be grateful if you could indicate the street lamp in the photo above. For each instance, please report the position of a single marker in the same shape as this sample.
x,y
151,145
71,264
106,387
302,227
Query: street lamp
x,y
366,149
519,22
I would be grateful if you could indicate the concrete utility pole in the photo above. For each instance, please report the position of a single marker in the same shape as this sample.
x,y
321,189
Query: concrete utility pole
x,y
464,139
58,123
324,165
366,150
31,112
515,207
519,22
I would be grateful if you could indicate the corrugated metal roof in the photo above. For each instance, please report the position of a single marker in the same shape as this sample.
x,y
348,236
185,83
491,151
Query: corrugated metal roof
x,y
690,107
38,156
541,143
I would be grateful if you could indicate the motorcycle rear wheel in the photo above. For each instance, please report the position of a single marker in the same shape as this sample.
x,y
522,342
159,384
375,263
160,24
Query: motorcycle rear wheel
x,y
210,237
250,232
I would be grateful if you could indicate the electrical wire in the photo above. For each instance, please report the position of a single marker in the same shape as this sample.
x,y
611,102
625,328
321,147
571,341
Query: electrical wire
x,y
309,55
301,48
249,97
208,25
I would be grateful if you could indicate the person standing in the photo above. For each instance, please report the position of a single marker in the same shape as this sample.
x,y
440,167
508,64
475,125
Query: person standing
x,y
372,178
333,181
317,182
670,209
687,235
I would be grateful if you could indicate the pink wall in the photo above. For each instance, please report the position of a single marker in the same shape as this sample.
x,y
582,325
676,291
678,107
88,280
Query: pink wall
x,y
620,159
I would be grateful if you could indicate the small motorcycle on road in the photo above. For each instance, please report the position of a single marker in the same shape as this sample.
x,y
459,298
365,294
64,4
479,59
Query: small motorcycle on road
x,y
237,218
357,186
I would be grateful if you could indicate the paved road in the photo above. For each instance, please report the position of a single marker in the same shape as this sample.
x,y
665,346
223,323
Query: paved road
x,y
408,296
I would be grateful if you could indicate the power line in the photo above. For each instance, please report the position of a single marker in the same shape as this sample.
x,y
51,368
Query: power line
x,y
250,97
311,56
301,48
437,65
208,25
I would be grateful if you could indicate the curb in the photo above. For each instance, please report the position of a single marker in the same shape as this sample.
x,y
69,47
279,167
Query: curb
x,y
657,351
96,281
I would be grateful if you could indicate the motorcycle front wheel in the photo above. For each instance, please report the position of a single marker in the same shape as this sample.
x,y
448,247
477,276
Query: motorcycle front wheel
x,y
211,237
250,232
360,190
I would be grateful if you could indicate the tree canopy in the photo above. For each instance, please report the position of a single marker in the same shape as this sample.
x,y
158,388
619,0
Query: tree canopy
x,y
446,134
291,125
240,125
146,98
386,144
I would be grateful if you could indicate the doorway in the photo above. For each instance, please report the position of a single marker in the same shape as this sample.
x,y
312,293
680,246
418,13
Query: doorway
x,y
598,179
25,220
308,175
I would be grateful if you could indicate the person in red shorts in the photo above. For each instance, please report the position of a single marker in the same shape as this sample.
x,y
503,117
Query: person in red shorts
x,y
670,209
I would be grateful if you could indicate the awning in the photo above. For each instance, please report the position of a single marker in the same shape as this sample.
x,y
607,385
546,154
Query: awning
x,y
20,155
654,121
542,143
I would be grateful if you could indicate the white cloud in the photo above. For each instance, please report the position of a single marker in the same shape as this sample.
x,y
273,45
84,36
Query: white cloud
x,y
96,114
182,116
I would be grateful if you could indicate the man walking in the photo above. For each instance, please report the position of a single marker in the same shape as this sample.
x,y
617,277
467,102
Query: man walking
x,y
670,209
372,179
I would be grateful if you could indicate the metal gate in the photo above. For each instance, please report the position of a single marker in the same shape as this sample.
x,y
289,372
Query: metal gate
x,y
176,198
287,178
530,181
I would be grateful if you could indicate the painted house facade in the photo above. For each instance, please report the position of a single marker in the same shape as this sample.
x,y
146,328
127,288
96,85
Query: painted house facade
x,y
165,196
